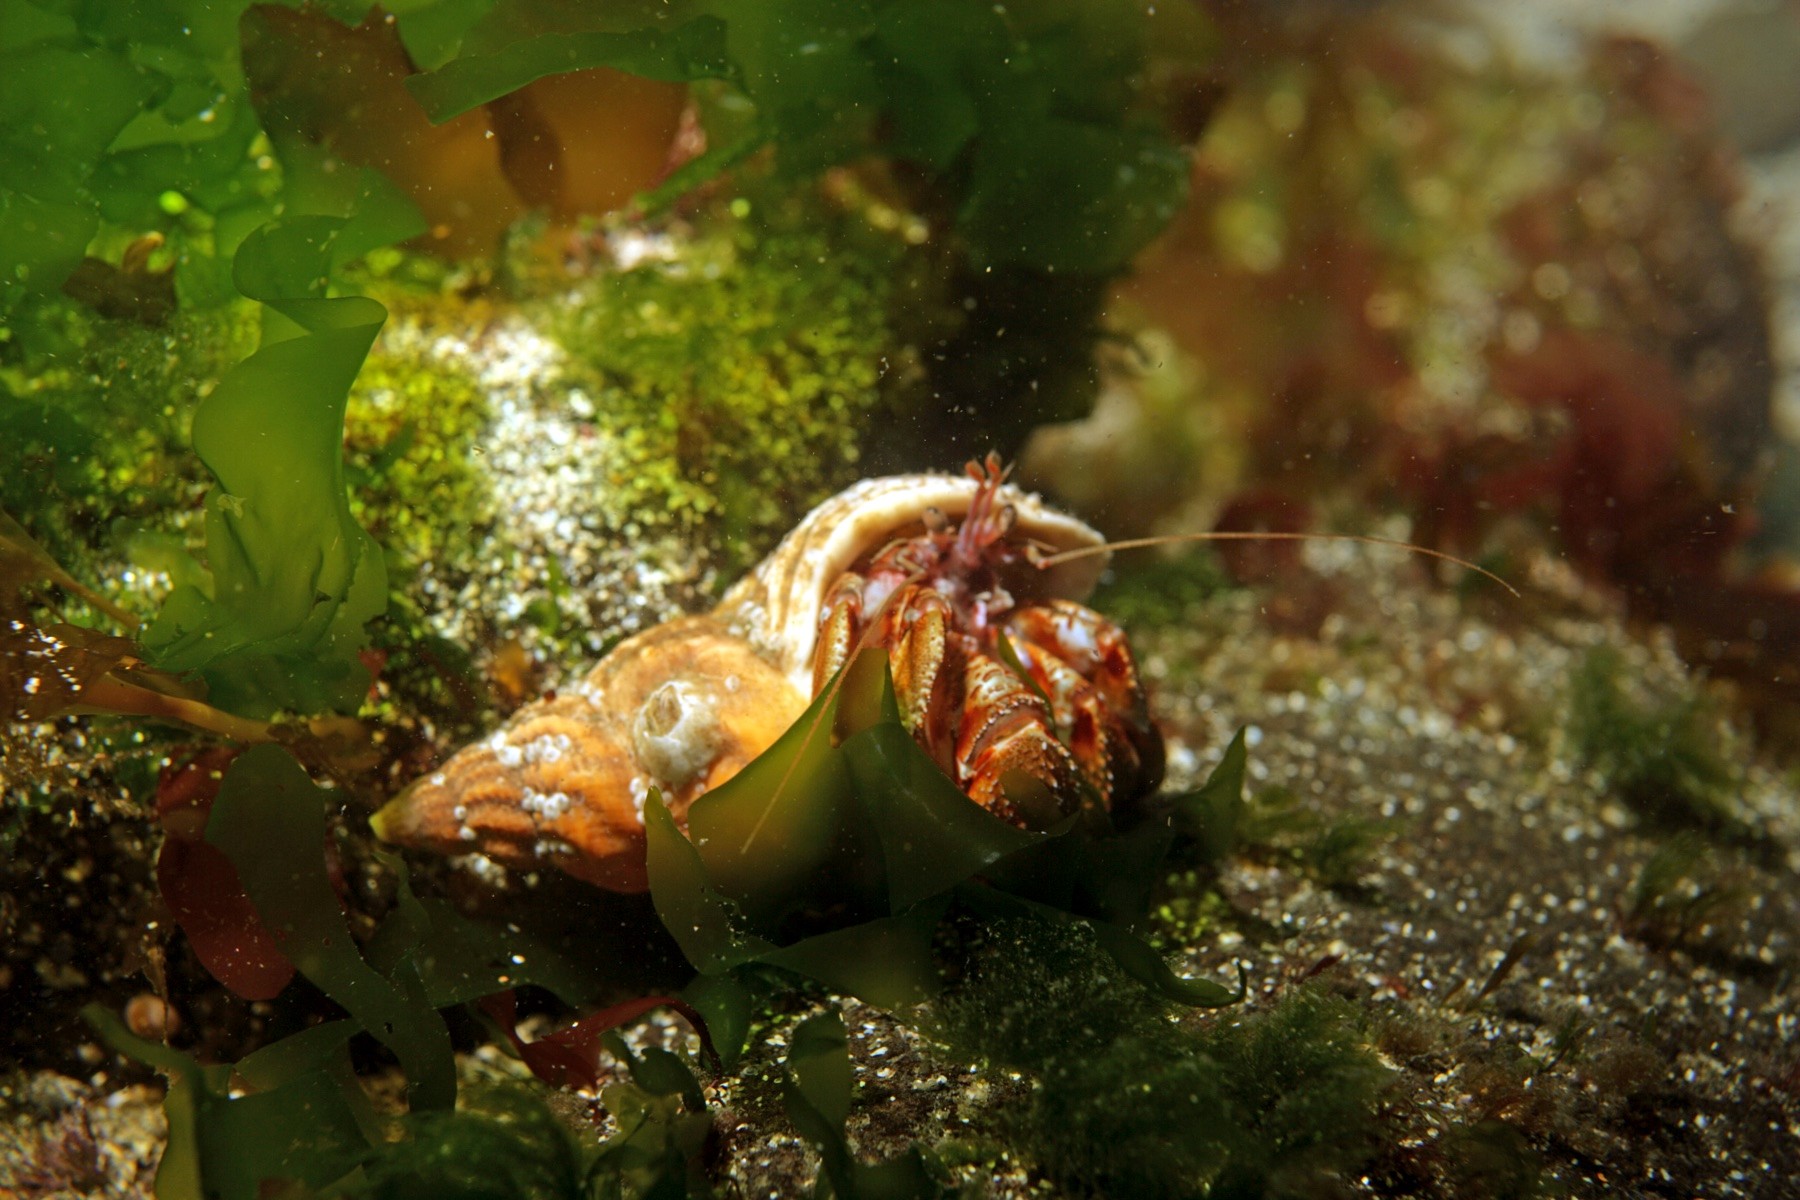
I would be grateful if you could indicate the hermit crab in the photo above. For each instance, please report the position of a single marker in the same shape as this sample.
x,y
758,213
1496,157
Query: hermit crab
x,y
1028,701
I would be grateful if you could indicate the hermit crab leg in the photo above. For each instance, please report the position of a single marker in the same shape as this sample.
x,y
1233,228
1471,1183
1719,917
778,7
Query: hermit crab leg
x,y
1089,643
1008,758
1081,662
918,657
840,627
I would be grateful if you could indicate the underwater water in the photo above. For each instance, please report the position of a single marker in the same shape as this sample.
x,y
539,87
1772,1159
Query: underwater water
x,y
514,691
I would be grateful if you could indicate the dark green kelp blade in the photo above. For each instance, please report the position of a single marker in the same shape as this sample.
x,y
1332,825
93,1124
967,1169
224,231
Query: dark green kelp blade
x,y
783,832
932,836
460,959
726,1005
269,819
886,962
304,1125
818,1062
849,786
709,928
817,1095
1211,813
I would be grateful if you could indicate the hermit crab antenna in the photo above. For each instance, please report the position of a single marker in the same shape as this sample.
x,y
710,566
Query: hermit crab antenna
x,y
1045,562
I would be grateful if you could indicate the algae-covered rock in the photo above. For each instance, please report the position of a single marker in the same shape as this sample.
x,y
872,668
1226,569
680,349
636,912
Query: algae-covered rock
x,y
551,471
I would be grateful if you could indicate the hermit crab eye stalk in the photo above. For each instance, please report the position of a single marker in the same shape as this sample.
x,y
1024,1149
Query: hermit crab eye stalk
x,y
989,471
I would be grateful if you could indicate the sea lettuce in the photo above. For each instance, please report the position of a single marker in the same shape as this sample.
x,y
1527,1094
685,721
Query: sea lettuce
x,y
294,577
1028,127
61,105
127,118
120,121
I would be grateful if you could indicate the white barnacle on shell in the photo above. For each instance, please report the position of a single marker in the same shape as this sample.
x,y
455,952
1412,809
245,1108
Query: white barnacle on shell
x,y
545,806
677,733
546,748
505,753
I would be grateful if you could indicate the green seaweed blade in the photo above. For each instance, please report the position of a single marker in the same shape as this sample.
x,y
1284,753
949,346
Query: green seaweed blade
x,y
294,577
302,1121
266,815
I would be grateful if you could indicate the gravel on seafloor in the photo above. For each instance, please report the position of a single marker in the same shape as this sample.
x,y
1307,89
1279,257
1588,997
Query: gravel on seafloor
x,y
60,1137
1505,848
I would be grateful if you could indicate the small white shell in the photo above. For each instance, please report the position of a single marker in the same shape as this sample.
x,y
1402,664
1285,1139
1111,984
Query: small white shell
x,y
777,605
